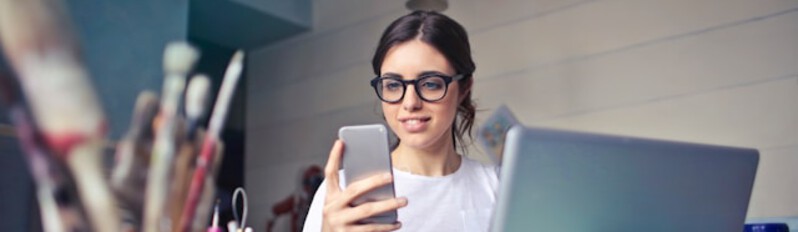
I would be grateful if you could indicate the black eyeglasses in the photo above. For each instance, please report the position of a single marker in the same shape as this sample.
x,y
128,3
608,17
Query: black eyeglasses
x,y
429,88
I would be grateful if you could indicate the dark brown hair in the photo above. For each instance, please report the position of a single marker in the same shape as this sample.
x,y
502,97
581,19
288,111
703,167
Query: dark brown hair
x,y
451,40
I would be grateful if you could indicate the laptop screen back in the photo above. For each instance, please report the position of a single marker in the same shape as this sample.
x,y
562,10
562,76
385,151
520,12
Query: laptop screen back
x,y
567,181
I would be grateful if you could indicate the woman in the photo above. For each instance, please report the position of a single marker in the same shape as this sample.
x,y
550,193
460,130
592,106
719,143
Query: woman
x,y
424,77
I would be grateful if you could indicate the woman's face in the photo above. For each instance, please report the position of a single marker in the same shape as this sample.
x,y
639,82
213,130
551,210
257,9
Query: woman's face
x,y
418,123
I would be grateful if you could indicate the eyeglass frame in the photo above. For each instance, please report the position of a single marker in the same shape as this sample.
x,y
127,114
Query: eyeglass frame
x,y
446,81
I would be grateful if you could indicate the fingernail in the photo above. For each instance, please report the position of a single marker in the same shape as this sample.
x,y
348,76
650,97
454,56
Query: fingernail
x,y
387,176
397,225
402,201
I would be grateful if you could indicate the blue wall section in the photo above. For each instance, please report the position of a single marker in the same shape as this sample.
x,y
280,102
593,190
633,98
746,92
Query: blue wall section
x,y
297,11
236,25
123,43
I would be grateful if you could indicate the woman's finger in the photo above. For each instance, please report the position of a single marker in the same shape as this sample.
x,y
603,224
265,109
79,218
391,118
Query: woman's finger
x,y
360,187
356,189
375,227
332,167
366,210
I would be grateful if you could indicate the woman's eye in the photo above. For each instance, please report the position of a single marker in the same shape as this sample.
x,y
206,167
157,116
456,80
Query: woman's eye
x,y
393,86
431,85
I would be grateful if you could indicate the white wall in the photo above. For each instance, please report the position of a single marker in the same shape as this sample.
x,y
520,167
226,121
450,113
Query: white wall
x,y
710,71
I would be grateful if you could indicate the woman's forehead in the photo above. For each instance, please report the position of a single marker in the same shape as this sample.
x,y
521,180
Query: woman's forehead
x,y
413,58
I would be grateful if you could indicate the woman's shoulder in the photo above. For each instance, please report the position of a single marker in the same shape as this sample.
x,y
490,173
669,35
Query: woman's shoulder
x,y
480,169
477,165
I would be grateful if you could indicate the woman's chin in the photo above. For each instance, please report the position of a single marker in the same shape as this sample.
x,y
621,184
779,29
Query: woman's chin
x,y
418,140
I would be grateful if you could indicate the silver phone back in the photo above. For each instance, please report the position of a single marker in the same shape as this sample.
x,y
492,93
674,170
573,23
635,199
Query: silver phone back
x,y
366,154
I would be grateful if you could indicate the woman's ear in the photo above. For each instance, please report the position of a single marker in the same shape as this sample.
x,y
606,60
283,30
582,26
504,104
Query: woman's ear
x,y
465,89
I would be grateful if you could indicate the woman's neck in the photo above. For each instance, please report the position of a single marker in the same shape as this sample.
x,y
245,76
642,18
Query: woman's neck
x,y
440,159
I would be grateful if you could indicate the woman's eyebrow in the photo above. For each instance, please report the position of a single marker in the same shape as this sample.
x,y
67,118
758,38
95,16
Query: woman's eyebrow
x,y
422,74
390,74
431,73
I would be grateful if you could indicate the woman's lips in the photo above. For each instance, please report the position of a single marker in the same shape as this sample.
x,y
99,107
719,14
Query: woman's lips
x,y
414,125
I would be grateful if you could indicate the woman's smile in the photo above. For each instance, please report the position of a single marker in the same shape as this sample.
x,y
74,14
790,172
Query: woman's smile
x,y
414,124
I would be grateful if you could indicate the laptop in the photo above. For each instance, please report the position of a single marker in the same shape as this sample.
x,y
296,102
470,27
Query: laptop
x,y
564,181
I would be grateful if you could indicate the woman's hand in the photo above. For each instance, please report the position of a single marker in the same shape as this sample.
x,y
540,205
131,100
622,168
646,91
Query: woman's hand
x,y
339,215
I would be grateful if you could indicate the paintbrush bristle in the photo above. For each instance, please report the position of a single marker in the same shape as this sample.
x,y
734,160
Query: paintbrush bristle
x,y
179,58
197,96
145,109
238,56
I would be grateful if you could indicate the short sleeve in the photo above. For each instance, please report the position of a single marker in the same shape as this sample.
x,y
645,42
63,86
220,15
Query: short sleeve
x,y
313,220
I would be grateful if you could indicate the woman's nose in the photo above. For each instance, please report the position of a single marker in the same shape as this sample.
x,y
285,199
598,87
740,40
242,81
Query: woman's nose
x,y
411,101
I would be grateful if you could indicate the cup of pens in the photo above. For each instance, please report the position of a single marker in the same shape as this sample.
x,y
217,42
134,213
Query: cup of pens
x,y
165,165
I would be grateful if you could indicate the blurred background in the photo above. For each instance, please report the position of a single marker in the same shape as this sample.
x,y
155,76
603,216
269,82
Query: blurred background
x,y
708,71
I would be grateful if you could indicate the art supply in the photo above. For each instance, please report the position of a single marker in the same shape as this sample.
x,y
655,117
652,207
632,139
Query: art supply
x,y
40,168
181,176
243,218
195,106
209,190
39,165
179,57
36,37
208,150
196,98
240,223
197,95
215,221
232,226
128,177
53,185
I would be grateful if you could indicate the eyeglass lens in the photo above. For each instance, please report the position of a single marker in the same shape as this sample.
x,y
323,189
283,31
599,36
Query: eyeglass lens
x,y
430,88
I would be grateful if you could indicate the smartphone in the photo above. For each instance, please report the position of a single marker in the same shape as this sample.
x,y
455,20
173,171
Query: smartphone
x,y
366,154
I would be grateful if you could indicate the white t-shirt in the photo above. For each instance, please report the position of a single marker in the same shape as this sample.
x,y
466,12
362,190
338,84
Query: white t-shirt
x,y
461,201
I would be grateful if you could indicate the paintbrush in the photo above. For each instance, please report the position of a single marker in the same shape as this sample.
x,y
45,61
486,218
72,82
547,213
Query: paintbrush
x,y
208,150
203,209
129,175
197,95
183,168
195,107
37,39
215,220
39,164
178,59
40,171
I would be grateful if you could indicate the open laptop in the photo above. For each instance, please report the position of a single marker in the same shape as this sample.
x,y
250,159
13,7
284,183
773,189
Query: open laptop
x,y
565,181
